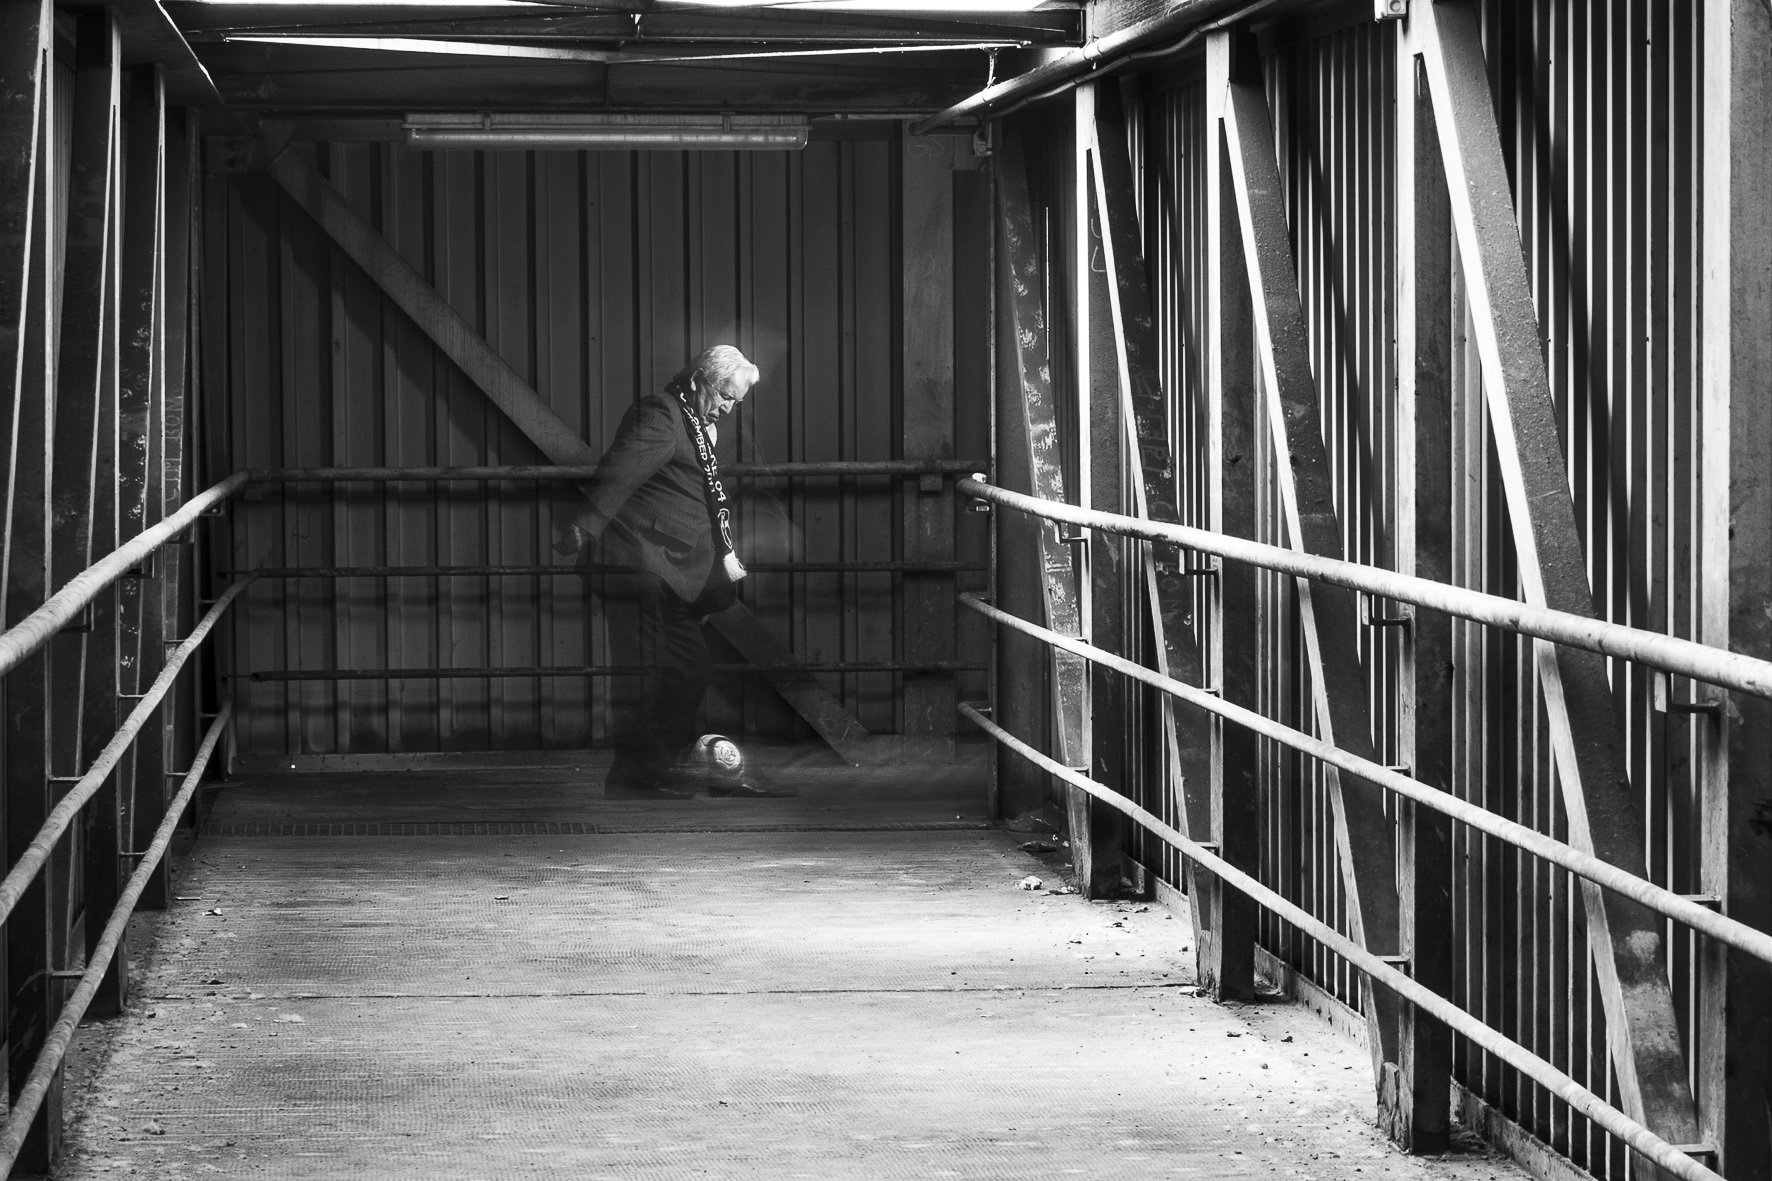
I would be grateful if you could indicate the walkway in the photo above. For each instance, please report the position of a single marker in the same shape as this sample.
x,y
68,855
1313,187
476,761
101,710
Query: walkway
x,y
501,975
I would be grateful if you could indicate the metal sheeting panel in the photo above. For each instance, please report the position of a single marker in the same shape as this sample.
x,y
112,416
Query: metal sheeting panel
x,y
1600,122
595,275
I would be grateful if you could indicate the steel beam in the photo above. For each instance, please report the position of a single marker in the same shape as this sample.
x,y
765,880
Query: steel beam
x,y
1329,616
1040,442
1421,1116
25,37
27,289
1604,812
83,500
1100,471
1735,1005
140,453
531,414
1227,951
928,433
1167,582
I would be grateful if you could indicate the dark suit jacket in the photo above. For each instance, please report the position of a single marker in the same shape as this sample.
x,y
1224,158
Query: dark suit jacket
x,y
649,508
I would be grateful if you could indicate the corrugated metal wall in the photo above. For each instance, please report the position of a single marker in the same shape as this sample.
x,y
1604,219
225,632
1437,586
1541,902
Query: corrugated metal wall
x,y
1598,109
595,275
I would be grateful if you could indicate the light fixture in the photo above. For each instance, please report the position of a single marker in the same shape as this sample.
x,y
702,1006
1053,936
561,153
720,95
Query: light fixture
x,y
629,132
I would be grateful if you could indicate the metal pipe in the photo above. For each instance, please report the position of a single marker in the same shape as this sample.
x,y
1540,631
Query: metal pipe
x,y
614,670
1602,873
61,1035
1509,1051
1687,658
564,568
566,472
1099,56
60,609
31,861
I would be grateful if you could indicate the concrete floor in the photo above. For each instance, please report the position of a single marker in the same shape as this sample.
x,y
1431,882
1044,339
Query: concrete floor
x,y
499,974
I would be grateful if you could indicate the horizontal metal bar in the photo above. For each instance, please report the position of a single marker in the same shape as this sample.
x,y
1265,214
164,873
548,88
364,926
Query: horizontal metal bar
x,y
564,569
35,630
617,670
1675,906
61,1035
1380,973
565,472
1095,59
31,861
1701,662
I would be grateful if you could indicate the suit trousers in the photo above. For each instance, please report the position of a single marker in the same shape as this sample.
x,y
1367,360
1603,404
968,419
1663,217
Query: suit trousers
x,y
657,711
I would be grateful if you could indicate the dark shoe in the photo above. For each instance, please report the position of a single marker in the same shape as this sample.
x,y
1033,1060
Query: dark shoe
x,y
751,787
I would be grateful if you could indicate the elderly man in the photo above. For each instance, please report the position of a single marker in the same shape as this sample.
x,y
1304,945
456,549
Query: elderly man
x,y
658,510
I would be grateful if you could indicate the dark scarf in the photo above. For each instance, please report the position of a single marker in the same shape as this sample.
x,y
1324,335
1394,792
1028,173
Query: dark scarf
x,y
719,515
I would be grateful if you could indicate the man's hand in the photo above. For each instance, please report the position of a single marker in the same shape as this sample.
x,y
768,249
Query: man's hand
x,y
569,541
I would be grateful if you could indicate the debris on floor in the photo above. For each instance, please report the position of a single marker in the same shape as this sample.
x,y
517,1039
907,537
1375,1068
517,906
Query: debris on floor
x,y
1045,818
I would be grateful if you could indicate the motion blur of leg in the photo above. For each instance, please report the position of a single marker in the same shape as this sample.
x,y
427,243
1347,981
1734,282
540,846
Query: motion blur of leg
x,y
658,711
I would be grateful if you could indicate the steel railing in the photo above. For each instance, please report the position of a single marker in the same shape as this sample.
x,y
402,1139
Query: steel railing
x,y
1670,654
1525,1061
61,1035
1701,662
68,603
17,644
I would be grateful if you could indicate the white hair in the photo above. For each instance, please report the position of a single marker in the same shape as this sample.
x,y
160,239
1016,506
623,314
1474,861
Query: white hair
x,y
721,366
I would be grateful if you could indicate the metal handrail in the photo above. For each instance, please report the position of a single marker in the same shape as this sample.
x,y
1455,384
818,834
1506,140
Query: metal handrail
x,y
61,608
32,860
571,570
61,1035
549,472
1509,1051
1604,874
1701,662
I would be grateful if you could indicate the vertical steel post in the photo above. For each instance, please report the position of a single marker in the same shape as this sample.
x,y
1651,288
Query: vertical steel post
x,y
83,664
26,319
1150,462
928,432
1102,476
140,457
1227,952
1422,1113
1604,810
1735,1010
1040,442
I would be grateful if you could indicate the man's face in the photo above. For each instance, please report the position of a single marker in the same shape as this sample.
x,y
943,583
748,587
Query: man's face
x,y
712,401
